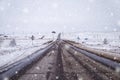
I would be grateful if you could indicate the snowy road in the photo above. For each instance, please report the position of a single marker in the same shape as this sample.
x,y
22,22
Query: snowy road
x,y
65,61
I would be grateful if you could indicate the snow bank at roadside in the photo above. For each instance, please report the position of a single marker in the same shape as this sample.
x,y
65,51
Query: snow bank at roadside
x,y
17,55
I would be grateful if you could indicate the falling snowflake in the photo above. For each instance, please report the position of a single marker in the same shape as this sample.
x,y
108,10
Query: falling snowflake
x,y
37,68
2,8
118,23
16,28
53,51
115,58
93,61
35,75
75,52
6,78
111,14
106,28
117,69
57,77
67,47
9,4
76,64
25,10
55,5
16,72
88,9
114,29
80,79
95,68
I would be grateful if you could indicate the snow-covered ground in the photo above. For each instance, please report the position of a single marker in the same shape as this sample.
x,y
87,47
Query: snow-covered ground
x,y
96,40
23,47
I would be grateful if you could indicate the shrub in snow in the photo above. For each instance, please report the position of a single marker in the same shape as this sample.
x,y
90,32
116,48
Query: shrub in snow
x,y
32,37
78,38
86,38
1,41
12,43
105,41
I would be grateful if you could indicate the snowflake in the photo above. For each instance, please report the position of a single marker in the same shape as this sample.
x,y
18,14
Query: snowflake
x,y
53,51
75,52
25,10
9,4
117,69
76,64
95,68
35,75
111,14
114,29
16,72
55,5
115,58
16,28
2,8
37,68
6,78
105,27
118,23
88,9
57,77
80,79
67,47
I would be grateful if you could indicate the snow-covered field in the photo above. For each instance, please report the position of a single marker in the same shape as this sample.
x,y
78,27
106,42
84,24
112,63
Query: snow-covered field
x,y
96,40
22,47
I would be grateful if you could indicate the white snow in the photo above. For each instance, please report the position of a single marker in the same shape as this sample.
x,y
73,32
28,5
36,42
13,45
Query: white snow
x,y
24,47
17,55
95,39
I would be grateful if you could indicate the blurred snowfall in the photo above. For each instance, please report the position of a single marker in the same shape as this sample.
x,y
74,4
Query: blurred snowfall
x,y
35,16
94,23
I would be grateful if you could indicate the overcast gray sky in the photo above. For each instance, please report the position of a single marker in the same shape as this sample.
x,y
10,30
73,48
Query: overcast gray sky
x,y
59,15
